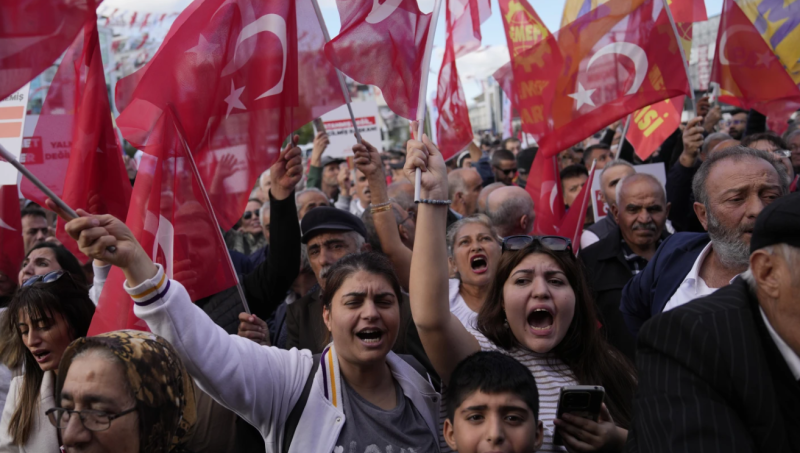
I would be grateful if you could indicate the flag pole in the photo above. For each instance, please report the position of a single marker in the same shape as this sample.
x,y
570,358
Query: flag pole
x,y
207,200
624,134
342,84
423,88
36,182
683,54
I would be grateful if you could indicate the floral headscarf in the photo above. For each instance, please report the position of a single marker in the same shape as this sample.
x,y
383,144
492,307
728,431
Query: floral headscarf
x,y
162,387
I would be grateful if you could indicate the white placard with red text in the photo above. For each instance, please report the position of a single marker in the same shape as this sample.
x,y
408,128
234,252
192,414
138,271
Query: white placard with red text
x,y
340,128
12,124
598,204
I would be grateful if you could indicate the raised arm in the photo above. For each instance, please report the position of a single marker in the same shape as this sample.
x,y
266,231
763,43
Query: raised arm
x,y
445,339
368,161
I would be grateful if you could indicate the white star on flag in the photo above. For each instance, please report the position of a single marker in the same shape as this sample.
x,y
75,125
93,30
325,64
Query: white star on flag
x,y
204,51
583,96
233,100
763,58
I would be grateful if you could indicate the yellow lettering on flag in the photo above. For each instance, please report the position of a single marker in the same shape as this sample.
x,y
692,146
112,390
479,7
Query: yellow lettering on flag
x,y
533,88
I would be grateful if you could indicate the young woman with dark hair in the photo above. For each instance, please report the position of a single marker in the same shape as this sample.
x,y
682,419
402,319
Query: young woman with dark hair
x,y
49,257
538,310
359,394
46,314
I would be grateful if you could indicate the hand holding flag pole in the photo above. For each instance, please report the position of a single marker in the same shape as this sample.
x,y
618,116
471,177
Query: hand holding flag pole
x,y
423,88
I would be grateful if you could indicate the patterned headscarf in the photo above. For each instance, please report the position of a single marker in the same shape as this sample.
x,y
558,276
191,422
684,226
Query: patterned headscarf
x,y
162,387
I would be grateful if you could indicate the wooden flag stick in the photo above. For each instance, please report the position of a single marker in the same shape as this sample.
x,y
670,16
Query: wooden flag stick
x,y
342,84
683,54
423,88
207,200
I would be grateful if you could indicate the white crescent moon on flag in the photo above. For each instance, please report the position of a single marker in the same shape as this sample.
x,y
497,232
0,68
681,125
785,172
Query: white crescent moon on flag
x,y
632,51
271,23
382,11
3,224
723,42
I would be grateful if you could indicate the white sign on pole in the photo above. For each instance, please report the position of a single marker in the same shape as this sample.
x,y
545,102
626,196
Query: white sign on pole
x,y
12,122
340,128
599,205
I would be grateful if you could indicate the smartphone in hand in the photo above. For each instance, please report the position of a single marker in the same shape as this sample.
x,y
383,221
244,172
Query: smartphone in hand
x,y
579,400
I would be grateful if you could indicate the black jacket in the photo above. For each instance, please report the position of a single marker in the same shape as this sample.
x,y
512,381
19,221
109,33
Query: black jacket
x,y
607,273
265,288
307,330
711,379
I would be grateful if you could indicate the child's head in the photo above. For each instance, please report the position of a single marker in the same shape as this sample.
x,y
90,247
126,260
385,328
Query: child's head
x,y
492,405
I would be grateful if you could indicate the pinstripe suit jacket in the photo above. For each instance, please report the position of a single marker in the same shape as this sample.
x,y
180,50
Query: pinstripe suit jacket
x,y
712,380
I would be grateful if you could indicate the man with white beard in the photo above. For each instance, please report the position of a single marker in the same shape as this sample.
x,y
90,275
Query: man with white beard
x,y
730,188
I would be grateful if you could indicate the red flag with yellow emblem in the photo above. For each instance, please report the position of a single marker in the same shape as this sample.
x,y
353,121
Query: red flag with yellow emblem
x,y
651,125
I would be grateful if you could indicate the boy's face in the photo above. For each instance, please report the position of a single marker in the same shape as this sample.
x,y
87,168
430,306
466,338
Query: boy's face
x,y
500,422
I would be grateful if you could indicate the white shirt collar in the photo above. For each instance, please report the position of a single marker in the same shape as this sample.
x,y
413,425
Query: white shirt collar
x,y
792,359
694,272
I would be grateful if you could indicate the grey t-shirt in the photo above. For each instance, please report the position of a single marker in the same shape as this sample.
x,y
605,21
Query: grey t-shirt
x,y
370,429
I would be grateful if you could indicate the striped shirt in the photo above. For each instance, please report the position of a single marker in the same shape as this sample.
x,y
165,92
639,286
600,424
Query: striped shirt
x,y
550,374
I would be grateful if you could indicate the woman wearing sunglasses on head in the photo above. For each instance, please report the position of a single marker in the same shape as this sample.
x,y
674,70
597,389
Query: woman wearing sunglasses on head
x,y
538,310
46,314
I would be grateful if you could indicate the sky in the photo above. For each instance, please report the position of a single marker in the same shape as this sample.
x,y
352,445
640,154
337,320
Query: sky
x,y
472,68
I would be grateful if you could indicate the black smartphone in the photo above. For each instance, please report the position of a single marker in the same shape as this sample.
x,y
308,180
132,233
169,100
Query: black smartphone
x,y
580,400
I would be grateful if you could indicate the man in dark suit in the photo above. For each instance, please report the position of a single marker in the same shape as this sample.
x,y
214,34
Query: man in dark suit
x,y
731,187
641,211
721,374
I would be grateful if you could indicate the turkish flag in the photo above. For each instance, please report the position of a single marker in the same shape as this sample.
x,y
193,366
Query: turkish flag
x,y
544,186
619,57
453,127
572,223
241,76
88,171
173,223
382,44
749,73
10,233
33,34
651,125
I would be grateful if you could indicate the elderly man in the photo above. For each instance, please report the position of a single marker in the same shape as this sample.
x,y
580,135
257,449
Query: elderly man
x,y
511,211
34,227
465,186
721,373
484,195
613,172
309,199
641,213
504,166
731,188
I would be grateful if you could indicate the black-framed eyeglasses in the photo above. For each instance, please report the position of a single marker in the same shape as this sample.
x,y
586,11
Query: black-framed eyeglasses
x,y
508,172
554,243
250,214
46,278
90,419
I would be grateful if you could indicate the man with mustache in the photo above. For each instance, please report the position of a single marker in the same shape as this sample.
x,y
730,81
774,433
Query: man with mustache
x,y
640,211
730,188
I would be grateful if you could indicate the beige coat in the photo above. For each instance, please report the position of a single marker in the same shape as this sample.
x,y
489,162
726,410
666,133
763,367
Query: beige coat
x,y
44,436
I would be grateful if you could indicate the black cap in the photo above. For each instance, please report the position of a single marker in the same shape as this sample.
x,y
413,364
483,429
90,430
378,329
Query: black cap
x,y
525,158
778,223
327,160
326,218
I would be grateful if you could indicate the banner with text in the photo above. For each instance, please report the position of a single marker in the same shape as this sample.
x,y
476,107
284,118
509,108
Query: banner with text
x,y
340,130
12,125
599,205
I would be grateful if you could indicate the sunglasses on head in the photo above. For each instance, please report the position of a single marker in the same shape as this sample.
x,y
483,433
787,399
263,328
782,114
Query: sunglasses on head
x,y
554,243
46,278
250,214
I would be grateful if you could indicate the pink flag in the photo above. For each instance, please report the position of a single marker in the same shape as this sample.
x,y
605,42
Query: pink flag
x,y
83,162
241,76
466,17
382,45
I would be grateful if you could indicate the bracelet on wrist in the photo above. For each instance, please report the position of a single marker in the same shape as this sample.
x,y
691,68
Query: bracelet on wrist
x,y
434,202
383,207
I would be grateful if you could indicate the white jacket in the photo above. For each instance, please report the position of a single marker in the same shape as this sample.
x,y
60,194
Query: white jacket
x,y
260,383
44,436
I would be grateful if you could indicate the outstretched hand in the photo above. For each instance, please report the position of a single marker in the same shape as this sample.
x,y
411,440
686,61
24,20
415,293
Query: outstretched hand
x,y
286,172
427,157
584,435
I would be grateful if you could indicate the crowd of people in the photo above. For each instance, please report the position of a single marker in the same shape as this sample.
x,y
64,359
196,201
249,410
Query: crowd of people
x,y
381,324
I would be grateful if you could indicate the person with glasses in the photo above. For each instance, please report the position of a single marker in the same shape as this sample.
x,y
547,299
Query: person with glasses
x,y
538,310
504,166
48,312
123,392
737,123
249,237
768,141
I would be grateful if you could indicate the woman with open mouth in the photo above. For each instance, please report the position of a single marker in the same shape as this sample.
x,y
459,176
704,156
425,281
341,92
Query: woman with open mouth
x,y
357,395
47,313
538,310
473,248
